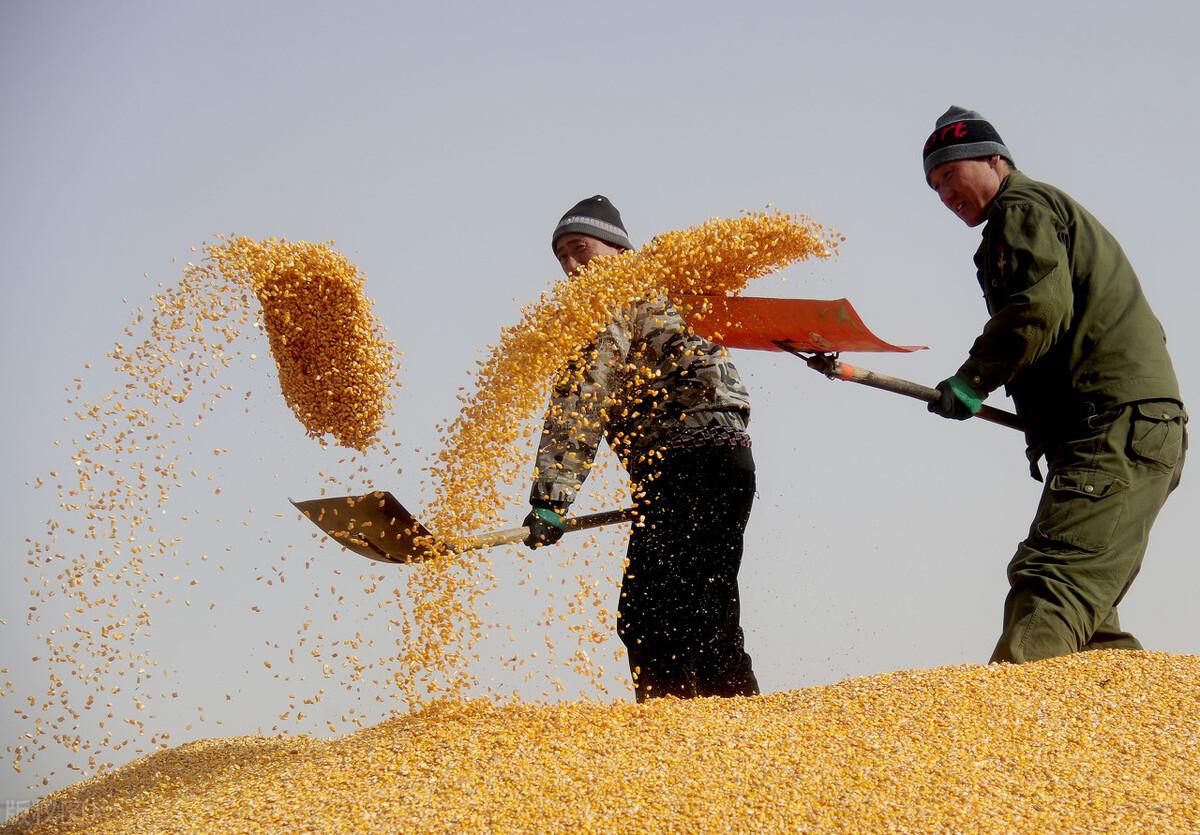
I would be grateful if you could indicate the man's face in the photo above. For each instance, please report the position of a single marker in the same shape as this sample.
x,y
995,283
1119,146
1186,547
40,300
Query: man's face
x,y
967,186
574,250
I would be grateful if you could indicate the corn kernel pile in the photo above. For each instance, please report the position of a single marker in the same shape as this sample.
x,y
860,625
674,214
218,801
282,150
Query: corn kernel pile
x,y
1103,741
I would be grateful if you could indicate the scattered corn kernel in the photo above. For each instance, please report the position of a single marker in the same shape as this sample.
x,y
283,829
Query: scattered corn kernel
x,y
334,371
485,447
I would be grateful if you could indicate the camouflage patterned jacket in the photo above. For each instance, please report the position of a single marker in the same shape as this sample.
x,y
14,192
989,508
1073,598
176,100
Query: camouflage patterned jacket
x,y
642,385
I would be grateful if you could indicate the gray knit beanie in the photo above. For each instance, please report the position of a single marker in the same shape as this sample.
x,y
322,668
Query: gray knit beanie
x,y
596,217
962,134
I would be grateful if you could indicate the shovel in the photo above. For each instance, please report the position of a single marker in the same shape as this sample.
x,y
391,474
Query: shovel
x,y
814,330
376,526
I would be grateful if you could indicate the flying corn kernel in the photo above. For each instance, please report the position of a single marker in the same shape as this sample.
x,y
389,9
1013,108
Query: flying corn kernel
x,y
127,457
485,447
481,447
336,367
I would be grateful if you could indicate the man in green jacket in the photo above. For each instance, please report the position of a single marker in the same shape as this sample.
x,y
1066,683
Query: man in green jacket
x,y
1074,341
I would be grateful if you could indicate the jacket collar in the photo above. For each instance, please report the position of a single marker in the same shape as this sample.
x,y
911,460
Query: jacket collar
x,y
1013,176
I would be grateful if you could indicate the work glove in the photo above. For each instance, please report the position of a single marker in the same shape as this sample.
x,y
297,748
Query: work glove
x,y
956,399
546,527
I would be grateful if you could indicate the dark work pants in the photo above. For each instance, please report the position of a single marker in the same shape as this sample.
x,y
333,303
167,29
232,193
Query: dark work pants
x,y
679,611
1105,486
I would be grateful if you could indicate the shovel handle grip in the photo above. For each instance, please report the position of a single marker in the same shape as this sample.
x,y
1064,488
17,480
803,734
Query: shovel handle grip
x,y
575,523
845,371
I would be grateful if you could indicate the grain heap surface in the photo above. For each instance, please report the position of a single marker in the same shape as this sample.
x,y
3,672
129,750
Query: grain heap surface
x,y
1100,741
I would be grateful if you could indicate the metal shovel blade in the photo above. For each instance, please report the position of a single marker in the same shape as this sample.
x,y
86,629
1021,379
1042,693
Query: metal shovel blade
x,y
809,325
374,525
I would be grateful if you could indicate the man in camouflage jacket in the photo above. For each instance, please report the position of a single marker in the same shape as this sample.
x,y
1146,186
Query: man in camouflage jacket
x,y
673,408
1075,342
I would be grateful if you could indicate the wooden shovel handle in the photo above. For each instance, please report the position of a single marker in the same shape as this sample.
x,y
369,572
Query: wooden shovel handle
x,y
844,371
575,523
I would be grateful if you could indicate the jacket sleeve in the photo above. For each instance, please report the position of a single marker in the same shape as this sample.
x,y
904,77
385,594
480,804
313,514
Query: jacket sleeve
x,y
574,422
1028,284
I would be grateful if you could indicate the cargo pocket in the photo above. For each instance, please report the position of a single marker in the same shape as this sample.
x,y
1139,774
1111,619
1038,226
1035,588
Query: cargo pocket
x,y
1081,509
1156,432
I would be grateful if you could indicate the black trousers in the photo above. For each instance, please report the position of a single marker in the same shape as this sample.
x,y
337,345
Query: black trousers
x,y
679,611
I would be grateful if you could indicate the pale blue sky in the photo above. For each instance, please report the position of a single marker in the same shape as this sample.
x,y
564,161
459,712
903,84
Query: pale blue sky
x,y
438,146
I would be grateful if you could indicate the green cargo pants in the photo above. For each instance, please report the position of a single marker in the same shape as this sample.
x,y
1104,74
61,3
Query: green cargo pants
x,y
1105,486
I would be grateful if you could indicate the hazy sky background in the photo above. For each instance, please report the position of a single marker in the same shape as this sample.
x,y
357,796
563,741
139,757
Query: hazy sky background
x,y
438,145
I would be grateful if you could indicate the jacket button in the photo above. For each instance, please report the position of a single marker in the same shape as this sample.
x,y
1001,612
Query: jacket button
x,y
1089,489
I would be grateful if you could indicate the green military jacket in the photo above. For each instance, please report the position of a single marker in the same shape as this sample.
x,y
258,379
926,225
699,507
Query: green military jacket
x,y
644,379
1070,330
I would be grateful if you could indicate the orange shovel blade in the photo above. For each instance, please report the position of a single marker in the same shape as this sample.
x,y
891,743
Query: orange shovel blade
x,y
804,325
